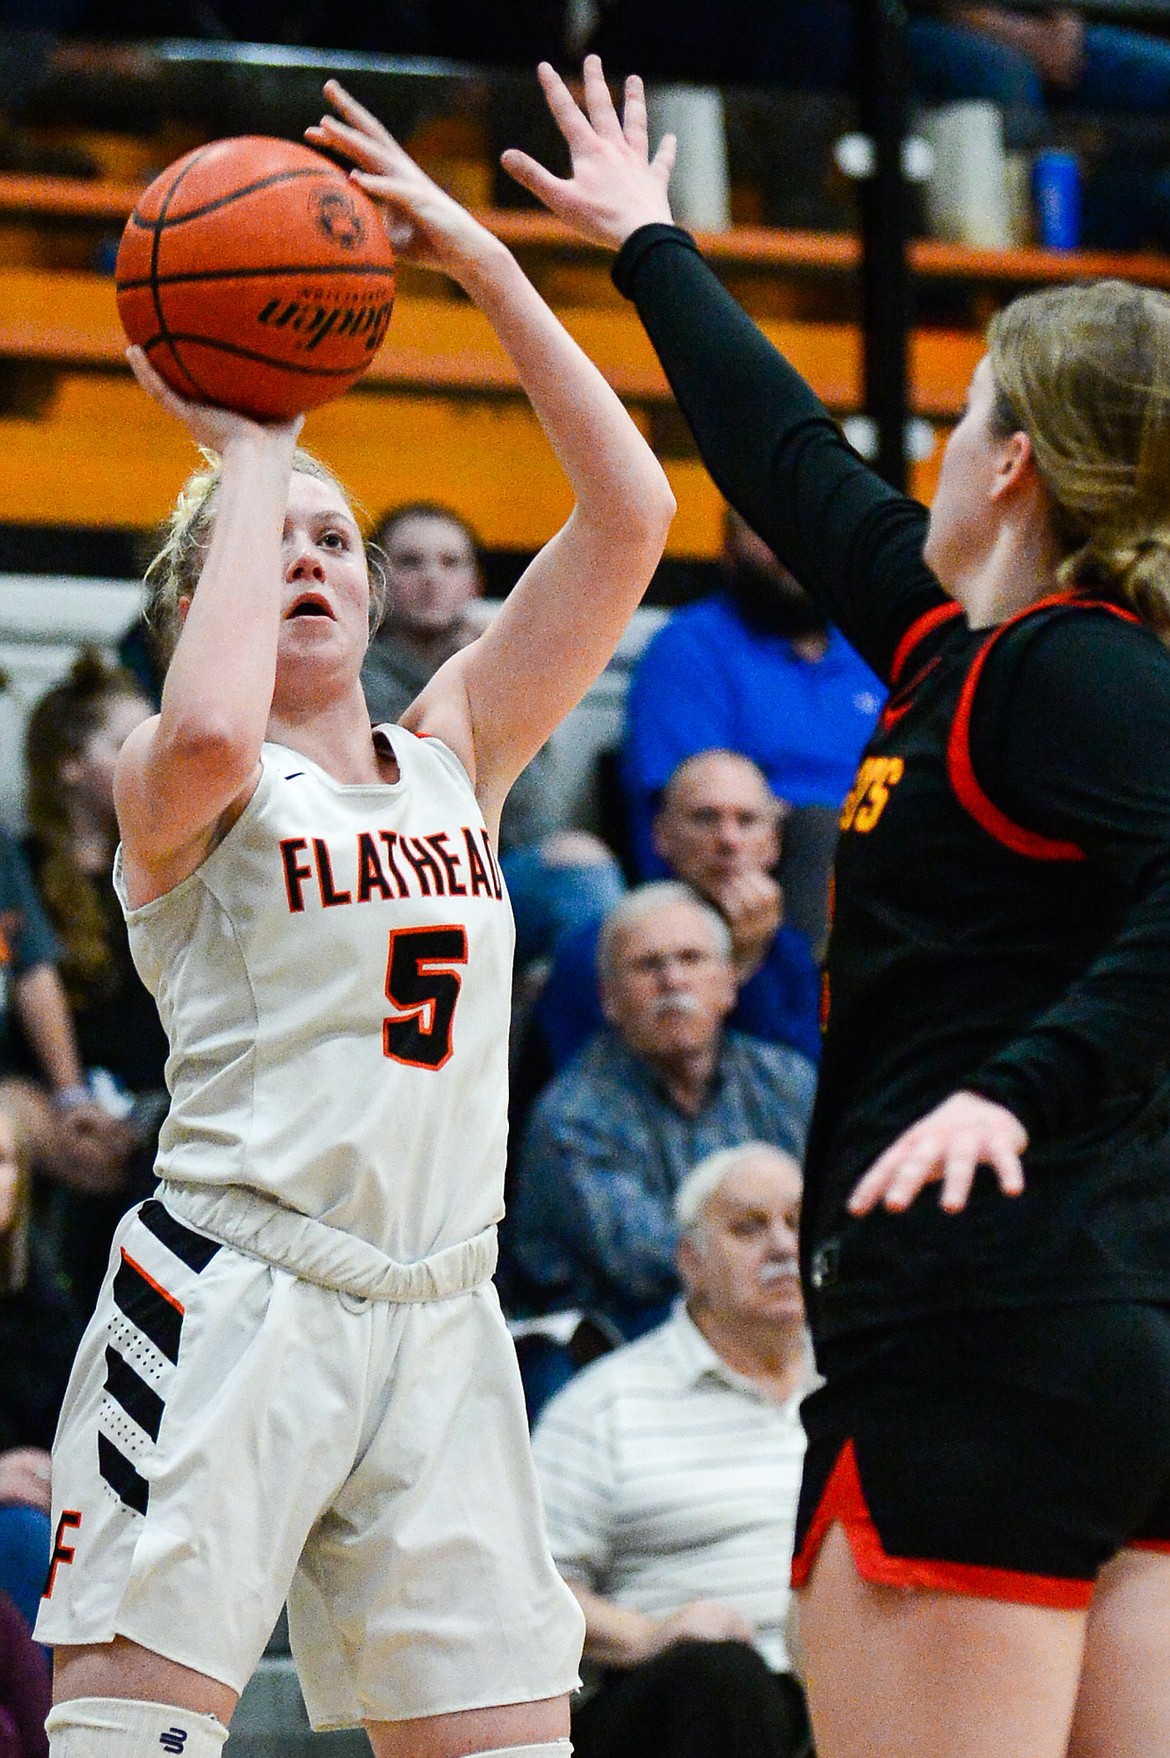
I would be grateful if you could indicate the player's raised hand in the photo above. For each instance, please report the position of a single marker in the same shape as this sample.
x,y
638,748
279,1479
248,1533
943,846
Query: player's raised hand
x,y
424,224
615,186
209,426
946,1146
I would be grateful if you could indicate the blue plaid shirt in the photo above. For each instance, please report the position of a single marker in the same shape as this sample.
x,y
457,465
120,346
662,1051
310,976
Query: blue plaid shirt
x,y
605,1152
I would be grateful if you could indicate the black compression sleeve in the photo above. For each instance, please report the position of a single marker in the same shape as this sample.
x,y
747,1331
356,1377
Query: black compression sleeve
x,y
774,451
1069,737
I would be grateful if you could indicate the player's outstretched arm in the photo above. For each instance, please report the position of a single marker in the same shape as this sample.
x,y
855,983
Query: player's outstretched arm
x,y
180,771
767,440
498,700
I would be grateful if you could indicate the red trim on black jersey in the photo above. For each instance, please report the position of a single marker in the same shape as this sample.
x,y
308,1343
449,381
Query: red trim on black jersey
x,y
902,701
843,1504
959,766
919,629
1157,1544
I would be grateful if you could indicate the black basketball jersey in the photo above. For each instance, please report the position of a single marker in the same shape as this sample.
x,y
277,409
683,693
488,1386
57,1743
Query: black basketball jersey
x,y
1003,879
955,929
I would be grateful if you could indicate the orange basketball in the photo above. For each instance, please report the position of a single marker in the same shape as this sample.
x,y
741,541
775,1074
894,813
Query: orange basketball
x,y
256,276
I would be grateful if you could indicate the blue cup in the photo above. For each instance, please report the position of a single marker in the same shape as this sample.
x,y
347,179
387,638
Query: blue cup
x,y
1056,193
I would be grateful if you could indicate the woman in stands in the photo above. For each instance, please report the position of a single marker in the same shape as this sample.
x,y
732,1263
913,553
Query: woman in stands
x,y
984,1546
72,741
298,1376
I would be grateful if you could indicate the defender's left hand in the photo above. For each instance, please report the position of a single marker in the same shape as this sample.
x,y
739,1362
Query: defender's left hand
x,y
946,1146
615,185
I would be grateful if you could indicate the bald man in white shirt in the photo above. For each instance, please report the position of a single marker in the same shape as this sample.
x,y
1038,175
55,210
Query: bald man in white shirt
x,y
670,1472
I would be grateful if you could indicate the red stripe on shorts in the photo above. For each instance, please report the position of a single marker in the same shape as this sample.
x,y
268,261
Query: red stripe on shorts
x,y
157,1286
843,1504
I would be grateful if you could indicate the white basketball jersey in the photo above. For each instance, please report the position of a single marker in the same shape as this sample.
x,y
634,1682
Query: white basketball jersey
x,y
335,983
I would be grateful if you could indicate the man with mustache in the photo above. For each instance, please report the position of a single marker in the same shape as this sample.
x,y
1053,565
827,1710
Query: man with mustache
x,y
670,1472
611,1139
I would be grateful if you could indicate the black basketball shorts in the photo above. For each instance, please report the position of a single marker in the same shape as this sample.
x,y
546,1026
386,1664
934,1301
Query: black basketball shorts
x,y
1003,1454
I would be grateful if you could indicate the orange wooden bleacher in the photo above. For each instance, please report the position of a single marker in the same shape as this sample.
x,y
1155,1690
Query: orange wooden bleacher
x,y
63,198
440,412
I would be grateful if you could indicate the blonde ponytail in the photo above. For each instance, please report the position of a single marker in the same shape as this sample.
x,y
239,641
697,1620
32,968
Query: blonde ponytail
x,y
1084,371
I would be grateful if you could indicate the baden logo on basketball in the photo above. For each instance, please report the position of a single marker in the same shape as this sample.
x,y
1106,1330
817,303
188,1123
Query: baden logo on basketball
x,y
173,1740
316,316
338,218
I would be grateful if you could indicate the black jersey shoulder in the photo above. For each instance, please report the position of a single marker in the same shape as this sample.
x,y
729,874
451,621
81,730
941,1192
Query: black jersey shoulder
x,y
1069,724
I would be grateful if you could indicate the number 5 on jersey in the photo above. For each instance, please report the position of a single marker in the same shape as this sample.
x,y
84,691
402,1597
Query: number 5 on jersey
x,y
421,984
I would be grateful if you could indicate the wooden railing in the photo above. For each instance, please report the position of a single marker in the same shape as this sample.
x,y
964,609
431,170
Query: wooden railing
x,y
55,200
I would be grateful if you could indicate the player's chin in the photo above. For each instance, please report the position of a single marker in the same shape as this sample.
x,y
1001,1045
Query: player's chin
x,y
305,635
313,660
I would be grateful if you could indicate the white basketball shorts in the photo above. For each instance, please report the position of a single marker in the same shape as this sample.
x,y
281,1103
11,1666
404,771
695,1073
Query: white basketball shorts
x,y
233,1435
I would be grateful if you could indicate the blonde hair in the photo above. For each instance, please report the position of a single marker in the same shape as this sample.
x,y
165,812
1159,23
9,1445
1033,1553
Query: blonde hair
x,y
1084,371
174,572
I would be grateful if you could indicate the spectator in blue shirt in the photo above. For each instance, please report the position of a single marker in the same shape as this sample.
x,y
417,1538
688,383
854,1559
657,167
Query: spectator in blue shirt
x,y
718,829
613,1136
754,669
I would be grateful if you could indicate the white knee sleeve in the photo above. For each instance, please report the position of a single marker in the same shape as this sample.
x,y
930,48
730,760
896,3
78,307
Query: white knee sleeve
x,y
122,1727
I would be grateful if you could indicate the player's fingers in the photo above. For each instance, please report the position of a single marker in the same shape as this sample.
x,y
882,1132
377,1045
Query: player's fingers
x,y
399,220
354,113
662,164
870,1189
634,125
392,186
381,154
599,102
1007,1166
958,1175
532,175
153,385
565,111
916,1168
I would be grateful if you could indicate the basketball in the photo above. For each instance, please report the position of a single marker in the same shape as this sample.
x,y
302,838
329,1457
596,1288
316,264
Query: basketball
x,y
256,276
